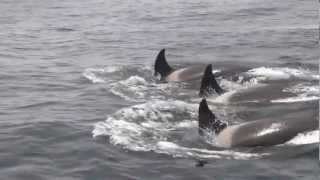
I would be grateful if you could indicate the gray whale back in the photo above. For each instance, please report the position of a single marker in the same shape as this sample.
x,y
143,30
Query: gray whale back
x,y
267,132
263,132
168,73
186,74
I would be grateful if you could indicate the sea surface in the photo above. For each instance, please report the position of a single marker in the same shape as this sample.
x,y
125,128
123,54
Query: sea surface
x,y
78,99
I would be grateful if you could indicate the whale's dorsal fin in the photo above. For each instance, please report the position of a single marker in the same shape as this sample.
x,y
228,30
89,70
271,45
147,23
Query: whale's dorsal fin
x,y
209,83
207,120
161,66
206,117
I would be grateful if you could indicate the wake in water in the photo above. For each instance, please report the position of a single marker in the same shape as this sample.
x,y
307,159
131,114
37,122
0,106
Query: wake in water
x,y
133,84
166,119
154,127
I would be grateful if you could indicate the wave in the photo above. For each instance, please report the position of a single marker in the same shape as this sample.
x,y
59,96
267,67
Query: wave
x,y
305,138
308,90
304,88
295,99
135,84
166,127
138,89
133,88
175,150
92,74
303,91
39,104
114,73
281,73
166,121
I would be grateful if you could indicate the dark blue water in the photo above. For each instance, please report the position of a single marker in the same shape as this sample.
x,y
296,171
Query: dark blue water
x,y
78,99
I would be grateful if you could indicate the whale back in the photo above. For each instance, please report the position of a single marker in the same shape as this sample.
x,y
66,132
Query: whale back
x,y
267,132
186,74
168,74
263,132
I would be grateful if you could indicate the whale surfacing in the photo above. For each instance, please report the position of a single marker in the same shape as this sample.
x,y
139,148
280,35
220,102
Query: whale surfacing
x,y
265,132
169,74
209,84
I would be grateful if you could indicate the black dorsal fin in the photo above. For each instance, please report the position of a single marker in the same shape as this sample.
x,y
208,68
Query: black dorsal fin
x,y
207,120
209,83
161,66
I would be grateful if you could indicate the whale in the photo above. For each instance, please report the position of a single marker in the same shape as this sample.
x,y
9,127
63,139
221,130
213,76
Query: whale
x,y
261,92
209,84
263,132
169,74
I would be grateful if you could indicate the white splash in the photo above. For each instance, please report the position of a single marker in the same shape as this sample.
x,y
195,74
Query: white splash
x,y
179,151
214,71
281,73
152,127
137,89
305,92
305,138
304,88
134,80
273,128
295,99
90,74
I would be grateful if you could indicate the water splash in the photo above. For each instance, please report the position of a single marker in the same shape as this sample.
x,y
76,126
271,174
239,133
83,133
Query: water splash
x,y
281,73
167,127
305,138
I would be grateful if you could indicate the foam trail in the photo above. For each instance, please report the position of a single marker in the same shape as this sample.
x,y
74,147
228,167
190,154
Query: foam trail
x,y
134,88
152,127
305,138
280,73
295,99
304,91
90,74
176,150
304,88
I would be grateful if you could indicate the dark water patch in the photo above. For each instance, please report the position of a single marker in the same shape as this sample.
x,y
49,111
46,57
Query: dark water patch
x,y
65,29
290,152
297,62
40,104
7,77
74,15
64,64
46,86
257,12
289,59
11,56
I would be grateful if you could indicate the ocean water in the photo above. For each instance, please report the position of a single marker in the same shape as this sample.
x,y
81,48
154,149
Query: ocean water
x,y
79,100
